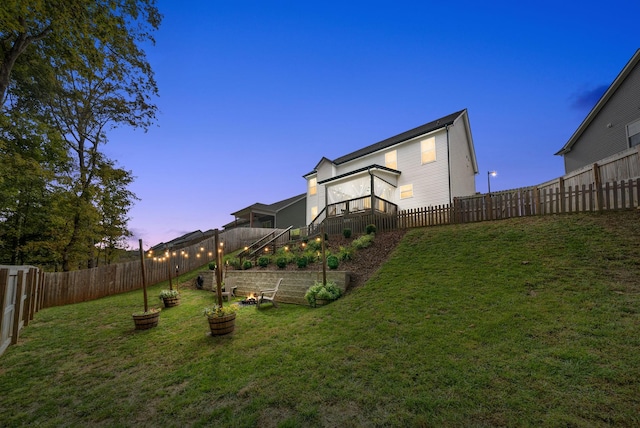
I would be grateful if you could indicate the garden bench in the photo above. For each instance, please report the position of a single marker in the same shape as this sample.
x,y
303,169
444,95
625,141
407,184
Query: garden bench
x,y
269,294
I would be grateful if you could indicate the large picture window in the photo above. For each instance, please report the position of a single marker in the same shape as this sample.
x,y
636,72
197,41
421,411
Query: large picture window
x,y
428,150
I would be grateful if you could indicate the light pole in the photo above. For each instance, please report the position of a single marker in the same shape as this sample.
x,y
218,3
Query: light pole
x,y
489,175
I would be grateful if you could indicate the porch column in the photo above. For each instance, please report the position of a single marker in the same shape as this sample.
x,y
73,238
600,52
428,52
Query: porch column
x,y
372,193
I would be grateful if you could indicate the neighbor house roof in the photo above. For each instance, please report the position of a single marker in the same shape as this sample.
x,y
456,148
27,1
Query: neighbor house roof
x,y
271,208
407,135
601,103
184,240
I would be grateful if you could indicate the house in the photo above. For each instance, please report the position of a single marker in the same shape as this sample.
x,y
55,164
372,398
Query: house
x,y
280,215
425,166
612,126
184,240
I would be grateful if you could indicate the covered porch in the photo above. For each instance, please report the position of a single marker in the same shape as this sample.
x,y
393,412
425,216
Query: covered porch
x,y
369,190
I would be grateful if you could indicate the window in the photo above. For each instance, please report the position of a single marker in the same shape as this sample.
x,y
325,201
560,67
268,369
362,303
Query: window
x,y
428,148
314,212
406,191
391,159
633,133
313,185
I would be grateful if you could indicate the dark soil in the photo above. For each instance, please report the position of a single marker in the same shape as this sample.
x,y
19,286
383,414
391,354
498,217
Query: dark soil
x,y
364,263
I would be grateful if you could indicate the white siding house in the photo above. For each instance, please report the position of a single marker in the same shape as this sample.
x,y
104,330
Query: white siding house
x,y
425,166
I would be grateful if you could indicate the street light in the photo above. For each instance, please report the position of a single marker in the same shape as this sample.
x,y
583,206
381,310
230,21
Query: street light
x,y
489,175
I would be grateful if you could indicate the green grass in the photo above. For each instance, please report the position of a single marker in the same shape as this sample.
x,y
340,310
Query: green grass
x,y
525,322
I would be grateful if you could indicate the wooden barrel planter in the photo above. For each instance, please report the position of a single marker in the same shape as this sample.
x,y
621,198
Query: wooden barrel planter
x,y
146,321
222,325
170,302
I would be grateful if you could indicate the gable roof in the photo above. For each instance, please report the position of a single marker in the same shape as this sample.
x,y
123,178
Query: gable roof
x,y
184,240
601,103
407,135
270,208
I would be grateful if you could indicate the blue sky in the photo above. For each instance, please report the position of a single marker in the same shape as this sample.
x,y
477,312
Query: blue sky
x,y
254,93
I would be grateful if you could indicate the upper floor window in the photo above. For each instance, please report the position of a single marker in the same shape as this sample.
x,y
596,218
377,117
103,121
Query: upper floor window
x,y
633,133
428,150
391,159
313,186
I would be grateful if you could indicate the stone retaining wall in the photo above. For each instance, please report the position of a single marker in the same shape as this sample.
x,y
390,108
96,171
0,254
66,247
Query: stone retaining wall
x,y
292,289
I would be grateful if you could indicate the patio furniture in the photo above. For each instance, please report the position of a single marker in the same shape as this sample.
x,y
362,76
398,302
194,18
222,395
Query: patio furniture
x,y
269,294
229,291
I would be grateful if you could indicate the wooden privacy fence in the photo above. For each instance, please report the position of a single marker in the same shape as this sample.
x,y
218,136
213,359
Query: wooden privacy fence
x,y
529,201
20,299
62,288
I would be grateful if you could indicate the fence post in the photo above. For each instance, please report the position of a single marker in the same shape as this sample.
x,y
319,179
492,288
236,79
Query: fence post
x,y
561,196
18,307
598,183
4,284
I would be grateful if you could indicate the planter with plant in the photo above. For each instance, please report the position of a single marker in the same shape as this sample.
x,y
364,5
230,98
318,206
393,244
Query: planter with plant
x,y
170,298
222,319
147,319
320,294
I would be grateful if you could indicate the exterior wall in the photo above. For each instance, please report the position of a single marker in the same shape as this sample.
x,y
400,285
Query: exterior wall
x,y
293,215
430,181
316,200
599,141
463,175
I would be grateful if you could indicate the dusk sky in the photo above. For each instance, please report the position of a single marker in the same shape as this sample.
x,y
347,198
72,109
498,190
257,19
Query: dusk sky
x,y
254,93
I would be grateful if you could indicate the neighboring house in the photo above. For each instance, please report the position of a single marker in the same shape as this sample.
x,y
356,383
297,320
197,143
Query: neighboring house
x,y
184,240
425,166
279,215
612,126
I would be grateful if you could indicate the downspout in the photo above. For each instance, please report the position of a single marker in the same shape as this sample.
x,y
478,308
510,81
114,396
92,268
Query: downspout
x,y
449,163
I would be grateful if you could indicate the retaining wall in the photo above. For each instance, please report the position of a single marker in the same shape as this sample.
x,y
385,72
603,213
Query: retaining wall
x,y
292,289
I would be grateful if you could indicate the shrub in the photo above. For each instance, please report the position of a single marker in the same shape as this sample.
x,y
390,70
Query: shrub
x,y
263,261
332,262
247,264
315,245
371,228
281,262
362,242
212,265
235,262
318,290
346,253
302,261
311,256
346,233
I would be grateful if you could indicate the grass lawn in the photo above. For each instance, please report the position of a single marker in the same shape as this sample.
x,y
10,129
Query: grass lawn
x,y
524,322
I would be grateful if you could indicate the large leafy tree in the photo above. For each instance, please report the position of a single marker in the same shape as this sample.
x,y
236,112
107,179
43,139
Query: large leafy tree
x,y
76,68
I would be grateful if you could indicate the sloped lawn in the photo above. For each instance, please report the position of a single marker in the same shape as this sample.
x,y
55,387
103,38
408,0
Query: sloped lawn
x,y
532,322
